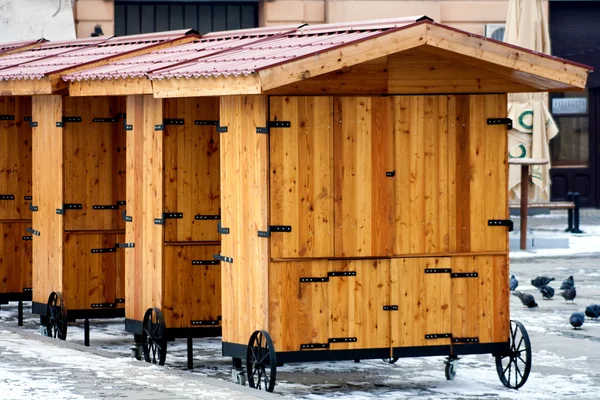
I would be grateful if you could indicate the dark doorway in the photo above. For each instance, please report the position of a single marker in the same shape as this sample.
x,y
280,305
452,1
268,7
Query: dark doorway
x,y
133,17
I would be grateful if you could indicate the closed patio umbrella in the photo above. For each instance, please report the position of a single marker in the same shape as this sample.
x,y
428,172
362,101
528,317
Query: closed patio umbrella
x,y
533,126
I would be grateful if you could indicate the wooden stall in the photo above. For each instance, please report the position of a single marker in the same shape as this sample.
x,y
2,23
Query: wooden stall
x,y
363,171
15,196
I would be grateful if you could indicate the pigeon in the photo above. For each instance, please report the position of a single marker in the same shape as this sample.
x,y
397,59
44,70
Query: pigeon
x,y
569,294
513,283
527,299
576,320
547,292
541,281
593,311
568,283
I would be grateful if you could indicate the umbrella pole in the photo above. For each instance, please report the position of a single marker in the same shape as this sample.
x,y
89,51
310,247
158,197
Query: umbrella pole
x,y
524,198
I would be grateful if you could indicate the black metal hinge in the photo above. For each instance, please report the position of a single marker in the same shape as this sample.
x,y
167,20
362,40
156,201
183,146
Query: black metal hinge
x,y
28,198
106,250
205,262
69,206
33,124
501,222
105,207
343,340
314,346
27,290
27,119
438,270
125,245
104,305
223,258
204,122
32,208
67,119
120,301
438,336
390,174
464,275
465,340
341,273
7,196
121,203
33,231
7,117
390,308
274,228
314,279
500,121
173,121
205,217
168,215
126,217
128,127
221,230
114,119
273,124
27,238
204,322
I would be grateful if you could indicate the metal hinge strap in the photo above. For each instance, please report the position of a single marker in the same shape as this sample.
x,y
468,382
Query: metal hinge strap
x,y
104,305
7,117
273,124
314,346
120,301
168,215
105,250
343,340
200,322
465,340
125,245
500,121
27,198
221,230
314,279
223,258
204,217
274,228
7,196
341,273
390,308
205,262
501,222
33,231
438,336
69,206
173,121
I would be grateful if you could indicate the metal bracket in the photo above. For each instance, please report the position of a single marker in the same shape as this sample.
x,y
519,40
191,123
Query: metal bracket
x,y
343,340
168,215
438,336
317,279
7,117
500,121
464,274
173,121
33,231
106,250
28,198
104,305
27,290
159,127
121,203
341,273
126,217
69,206
204,122
128,127
205,322
223,258
27,119
501,222
390,308
205,262
71,119
203,217
32,208
115,119
125,245
120,301
314,346
438,270
221,230
7,196
27,238
465,340
273,124
390,174
33,124
274,228
105,207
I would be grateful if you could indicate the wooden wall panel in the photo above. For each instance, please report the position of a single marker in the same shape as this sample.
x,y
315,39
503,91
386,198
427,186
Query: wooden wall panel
x,y
47,178
15,257
301,177
192,176
89,278
15,157
244,203
191,292
144,262
91,162
363,148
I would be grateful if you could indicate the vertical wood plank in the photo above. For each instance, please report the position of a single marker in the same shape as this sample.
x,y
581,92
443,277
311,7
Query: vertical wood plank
x,y
404,137
463,173
476,157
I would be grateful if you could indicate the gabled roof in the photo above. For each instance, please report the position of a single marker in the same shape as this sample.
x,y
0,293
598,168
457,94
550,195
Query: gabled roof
x,y
51,60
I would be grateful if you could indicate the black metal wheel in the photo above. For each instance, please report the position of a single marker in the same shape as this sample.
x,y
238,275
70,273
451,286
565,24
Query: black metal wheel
x,y
154,337
514,367
259,357
390,360
450,371
56,316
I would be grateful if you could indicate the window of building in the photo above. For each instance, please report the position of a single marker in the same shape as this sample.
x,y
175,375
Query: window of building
x,y
570,148
134,17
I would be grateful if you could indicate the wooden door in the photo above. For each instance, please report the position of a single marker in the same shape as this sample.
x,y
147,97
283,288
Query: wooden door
x,y
192,175
15,257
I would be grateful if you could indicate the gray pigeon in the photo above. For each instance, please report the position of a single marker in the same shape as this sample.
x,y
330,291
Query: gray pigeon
x,y
541,281
593,311
569,294
547,292
568,283
527,299
513,283
576,320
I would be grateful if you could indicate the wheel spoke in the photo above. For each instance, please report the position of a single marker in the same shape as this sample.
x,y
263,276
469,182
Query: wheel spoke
x,y
520,342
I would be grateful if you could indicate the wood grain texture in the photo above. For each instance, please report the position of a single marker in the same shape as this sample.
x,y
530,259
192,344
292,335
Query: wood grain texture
x,y
191,292
15,158
244,202
191,173
47,179
15,257
301,176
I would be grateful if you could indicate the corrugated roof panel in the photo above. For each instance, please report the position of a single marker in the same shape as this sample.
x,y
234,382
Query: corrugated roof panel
x,y
6,47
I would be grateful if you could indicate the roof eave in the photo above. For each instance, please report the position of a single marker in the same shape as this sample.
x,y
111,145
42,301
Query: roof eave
x,y
25,87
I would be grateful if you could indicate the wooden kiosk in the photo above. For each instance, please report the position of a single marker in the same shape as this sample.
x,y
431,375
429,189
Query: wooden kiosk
x,y
363,190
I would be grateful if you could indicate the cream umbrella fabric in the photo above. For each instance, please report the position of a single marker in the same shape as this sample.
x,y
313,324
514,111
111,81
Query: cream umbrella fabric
x,y
533,126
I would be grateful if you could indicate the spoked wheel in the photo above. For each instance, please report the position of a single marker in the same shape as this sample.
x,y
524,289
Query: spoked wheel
x,y
450,371
56,316
514,368
154,337
261,362
390,360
